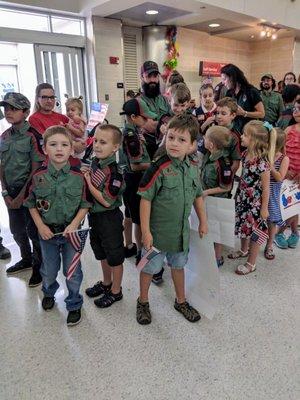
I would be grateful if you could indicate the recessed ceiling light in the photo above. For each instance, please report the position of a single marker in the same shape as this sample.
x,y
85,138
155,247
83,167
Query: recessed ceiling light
x,y
214,25
152,12
252,36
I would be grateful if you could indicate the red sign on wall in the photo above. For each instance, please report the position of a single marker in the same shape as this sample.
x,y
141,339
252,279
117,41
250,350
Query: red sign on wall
x,y
207,68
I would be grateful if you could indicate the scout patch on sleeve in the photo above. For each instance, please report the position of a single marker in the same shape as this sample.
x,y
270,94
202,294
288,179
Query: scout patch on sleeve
x,y
133,144
115,181
225,172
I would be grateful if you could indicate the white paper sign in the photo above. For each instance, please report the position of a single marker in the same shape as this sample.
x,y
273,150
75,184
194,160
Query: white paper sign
x,y
98,114
202,279
221,220
289,199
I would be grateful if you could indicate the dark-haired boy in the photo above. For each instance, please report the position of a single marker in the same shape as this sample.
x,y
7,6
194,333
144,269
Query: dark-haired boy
x,y
137,159
21,154
168,189
225,115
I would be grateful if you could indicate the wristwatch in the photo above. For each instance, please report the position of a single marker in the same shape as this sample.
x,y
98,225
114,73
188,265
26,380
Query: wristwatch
x,y
246,113
4,193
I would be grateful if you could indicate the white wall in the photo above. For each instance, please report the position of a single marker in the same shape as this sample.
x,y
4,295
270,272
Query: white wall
x,y
108,42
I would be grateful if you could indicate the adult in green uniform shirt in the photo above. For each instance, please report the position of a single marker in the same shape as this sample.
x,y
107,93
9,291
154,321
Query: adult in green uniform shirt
x,y
155,101
272,100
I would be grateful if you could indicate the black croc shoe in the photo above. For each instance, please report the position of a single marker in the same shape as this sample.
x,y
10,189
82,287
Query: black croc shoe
x,y
98,289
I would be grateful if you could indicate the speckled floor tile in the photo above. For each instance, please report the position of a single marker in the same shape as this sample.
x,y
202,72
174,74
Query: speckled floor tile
x,y
250,350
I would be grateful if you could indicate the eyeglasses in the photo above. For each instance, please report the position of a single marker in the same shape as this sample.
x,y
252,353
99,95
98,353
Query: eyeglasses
x,y
47,97
296,109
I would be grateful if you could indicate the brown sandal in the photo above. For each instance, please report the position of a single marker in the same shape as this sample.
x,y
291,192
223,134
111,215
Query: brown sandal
x,y
269,253
238,254
245,269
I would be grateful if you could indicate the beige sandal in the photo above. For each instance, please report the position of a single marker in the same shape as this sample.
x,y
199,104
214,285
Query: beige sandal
x,y
238,254
245,269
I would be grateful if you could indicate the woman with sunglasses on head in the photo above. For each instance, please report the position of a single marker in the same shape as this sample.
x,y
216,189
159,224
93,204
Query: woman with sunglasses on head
x,y
44,116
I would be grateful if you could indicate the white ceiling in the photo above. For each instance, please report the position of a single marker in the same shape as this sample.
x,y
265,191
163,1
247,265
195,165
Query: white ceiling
x,y
191,14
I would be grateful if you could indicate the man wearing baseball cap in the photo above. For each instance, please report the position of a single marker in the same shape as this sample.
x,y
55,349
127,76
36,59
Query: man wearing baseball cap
x,y
157,103
20,155
272,100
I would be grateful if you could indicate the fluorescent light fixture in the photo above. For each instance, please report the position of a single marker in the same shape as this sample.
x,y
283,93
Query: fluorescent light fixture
x,y
152,12
214,25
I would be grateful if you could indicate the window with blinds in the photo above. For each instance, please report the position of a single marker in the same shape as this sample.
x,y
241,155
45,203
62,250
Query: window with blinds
x,y
130,62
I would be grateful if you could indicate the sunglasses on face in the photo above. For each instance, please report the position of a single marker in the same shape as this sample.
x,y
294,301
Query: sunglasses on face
x,y
47,97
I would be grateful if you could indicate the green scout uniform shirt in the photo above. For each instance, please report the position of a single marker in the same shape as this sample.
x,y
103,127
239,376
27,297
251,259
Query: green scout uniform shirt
x,y
158,105
172,186
111,183
233,150
273,104
134,147
211,174
57,194
19,148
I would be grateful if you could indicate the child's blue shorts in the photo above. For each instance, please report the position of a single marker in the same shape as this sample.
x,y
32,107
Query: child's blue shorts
x,y
174,260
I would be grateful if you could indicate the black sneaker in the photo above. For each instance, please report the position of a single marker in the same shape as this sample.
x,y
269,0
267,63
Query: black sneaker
x,y
4,253
98,289
130,252
189,312
158,278
48,303
108,299
74,317
138,257
35,279
143,314
18,267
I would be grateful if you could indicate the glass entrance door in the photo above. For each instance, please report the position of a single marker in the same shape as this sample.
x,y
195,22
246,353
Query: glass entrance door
x,y
62,67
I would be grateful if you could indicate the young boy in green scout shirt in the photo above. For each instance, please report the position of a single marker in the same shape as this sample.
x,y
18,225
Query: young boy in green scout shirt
x,y
137,159
168,189
216,170
225,115
57,203
106,184
20,154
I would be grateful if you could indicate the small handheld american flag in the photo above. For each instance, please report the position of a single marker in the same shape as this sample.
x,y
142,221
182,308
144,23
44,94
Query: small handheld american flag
x,y
260,233
147,257
77,240
97,177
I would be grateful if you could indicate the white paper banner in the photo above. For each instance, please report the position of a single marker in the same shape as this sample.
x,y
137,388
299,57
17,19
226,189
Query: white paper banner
x,y
221,220
202,279
289,199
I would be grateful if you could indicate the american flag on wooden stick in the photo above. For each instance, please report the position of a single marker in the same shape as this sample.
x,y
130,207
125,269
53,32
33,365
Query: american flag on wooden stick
x,y
77,240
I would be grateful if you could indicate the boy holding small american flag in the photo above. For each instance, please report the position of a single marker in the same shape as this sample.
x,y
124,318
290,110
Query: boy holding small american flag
x,y
106,184
56,198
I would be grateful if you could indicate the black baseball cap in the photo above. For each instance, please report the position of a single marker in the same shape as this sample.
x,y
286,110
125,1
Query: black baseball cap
x,y
148,67
137,107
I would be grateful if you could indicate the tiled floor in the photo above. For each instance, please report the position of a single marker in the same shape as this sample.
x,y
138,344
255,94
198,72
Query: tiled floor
x,y
250,350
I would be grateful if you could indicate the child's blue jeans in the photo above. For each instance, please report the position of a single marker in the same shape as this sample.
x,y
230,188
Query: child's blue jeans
x,y
52,251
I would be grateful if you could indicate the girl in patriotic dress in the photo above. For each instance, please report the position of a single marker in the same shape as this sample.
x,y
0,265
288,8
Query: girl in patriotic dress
x,y
252,196
278,173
